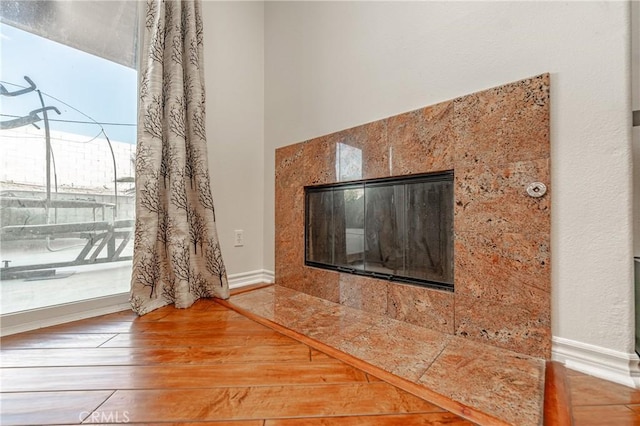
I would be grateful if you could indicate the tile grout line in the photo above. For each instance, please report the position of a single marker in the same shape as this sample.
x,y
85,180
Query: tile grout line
x,y
436,357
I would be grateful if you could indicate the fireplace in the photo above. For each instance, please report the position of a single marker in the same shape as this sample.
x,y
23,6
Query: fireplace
x,y
398,229
496,142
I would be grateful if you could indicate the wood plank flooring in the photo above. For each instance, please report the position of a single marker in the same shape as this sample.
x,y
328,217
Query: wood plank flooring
x,y
206,364
210,365
577,399
596,402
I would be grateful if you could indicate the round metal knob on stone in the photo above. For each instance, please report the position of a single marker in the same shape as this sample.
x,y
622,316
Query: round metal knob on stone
x,y
536,189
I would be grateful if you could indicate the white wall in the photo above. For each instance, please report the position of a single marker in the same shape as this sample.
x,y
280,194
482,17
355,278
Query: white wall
x,y
234,67
333,65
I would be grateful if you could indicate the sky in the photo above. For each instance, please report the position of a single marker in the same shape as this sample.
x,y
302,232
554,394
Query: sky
x,y
101,89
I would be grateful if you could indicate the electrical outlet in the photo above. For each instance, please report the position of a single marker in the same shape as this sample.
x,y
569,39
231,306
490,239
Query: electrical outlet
x,y
238,238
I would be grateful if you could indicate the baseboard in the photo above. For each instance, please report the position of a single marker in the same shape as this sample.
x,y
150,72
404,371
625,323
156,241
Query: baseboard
x,y
45,317
615,366
252,277
20,322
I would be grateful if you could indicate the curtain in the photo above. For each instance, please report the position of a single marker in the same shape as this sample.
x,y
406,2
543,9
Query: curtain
x,y
177,257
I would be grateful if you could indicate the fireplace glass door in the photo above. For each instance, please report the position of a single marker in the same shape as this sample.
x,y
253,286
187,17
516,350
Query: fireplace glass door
x,y
399,229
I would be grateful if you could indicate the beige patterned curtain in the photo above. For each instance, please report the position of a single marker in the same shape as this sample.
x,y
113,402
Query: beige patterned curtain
x,y
177,257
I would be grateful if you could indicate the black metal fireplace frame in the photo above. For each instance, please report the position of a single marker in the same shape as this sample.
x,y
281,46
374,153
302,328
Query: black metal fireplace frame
x,y
443,176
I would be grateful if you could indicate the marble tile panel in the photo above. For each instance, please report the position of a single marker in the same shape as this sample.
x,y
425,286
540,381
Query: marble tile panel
x,y
505,384
421,306
400,348
523,327
256,297
371,140
290,276
265,310
507,268
494,197
289,258
292,312
325,321
319,156
505,124
291,272
289,262
265,302
376,152
322,283
289,165
289,214
307,314
282,294
422,140
366,294
276,303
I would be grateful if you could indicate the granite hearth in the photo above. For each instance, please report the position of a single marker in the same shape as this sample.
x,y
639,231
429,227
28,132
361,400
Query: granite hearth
x,y
496,142
485,384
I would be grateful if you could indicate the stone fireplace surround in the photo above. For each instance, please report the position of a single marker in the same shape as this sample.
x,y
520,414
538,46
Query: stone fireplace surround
x,y
497,142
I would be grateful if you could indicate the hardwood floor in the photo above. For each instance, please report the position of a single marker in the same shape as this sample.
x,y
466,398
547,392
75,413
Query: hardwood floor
x,y
583,400
595,402
207,364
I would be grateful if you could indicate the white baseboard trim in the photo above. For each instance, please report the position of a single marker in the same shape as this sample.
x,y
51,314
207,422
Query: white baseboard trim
x,y
615,366
252,277
20,322
45,317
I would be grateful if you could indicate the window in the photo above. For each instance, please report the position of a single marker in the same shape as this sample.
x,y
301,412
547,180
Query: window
x,y
68,134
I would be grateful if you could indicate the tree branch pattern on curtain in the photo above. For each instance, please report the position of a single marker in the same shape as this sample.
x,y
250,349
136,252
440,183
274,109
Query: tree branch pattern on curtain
x,y
177,257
